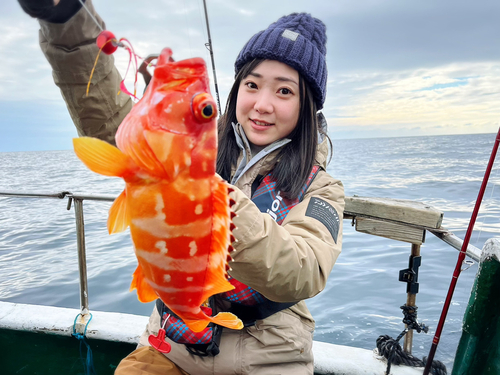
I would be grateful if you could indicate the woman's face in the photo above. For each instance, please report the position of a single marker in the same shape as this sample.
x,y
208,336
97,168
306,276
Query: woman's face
x,y
268,102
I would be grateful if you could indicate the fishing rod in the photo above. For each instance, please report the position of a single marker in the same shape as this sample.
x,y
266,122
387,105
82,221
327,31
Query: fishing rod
x,y
209,47
461,257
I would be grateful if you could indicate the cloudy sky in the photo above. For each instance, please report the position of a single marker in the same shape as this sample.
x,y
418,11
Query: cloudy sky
x,y
396,67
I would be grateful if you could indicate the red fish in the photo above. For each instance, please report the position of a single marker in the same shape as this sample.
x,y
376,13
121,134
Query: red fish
x,y
177,208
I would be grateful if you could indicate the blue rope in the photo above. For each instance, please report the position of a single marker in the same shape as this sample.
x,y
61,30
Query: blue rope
x,y
88,363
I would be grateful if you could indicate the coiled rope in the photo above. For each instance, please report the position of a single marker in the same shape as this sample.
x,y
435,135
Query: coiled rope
x,y
392,351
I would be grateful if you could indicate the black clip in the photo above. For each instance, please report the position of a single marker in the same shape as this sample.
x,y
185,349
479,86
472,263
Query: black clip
x,y
410,275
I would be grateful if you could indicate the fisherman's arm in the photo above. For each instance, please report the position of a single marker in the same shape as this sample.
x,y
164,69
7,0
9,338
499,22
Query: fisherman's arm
x,y
291,262
67,40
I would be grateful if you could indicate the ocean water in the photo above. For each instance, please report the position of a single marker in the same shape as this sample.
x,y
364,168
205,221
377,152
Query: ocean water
x,y
363,296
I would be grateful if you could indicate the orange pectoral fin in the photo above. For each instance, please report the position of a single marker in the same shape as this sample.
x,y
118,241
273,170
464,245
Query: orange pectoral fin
x,y
119,218
145,293
101,157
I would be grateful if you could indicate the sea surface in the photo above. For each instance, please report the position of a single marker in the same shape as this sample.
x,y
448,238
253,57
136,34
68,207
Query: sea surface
x,y
39,264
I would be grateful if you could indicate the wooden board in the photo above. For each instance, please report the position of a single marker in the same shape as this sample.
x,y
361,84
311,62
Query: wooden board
x,y
396,210
390,230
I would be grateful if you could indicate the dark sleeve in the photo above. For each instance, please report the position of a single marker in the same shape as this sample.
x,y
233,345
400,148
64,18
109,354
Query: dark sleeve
x,y
45,9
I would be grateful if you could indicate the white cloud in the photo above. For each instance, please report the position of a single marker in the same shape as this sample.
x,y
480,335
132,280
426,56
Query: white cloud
x,y
455,98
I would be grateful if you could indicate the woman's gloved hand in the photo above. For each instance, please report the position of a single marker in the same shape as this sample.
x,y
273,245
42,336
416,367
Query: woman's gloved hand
x,y
55,11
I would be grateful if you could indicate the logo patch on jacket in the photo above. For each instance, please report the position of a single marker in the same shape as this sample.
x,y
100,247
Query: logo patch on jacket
x,y
326,214
267,199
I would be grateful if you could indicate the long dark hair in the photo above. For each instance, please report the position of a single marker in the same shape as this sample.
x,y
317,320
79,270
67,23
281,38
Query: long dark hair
x,y
295,160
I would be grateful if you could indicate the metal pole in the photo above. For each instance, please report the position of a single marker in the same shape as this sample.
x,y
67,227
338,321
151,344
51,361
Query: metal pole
x,y
209,47
82,261
461,257
411,301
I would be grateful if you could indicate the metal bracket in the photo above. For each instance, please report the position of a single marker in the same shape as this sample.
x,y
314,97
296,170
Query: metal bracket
x,y
410,275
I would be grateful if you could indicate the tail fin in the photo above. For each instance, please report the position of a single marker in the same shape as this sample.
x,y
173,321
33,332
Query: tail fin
x,y
224,319
227,320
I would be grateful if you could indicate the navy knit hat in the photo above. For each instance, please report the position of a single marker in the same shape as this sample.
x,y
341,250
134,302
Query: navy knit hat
x,y
298,40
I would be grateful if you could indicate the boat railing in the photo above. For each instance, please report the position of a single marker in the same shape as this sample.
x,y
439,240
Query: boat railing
x,y
400,220
77,201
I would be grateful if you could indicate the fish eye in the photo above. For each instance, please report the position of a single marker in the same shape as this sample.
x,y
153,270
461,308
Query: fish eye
x,y
207,111
203,107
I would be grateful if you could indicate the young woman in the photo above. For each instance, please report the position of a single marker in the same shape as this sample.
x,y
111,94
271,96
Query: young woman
x,y
273,149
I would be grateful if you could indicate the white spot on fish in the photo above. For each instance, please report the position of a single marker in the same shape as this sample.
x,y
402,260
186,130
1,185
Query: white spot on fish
x,y
189,278
167,278
159,207
159,229
192,197
204,165
187,159
198,210
157,97
200,188
192,248
217,259
186,289
162,246
169,108
194,264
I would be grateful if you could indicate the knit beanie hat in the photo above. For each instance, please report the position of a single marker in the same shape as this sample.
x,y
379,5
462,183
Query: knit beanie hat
x,y
298,40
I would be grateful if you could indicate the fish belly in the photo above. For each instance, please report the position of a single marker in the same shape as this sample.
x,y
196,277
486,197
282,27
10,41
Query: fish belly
x,y
181,234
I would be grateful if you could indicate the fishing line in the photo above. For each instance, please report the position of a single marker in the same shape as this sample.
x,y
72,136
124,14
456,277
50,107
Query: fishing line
x,y
122,42
91,15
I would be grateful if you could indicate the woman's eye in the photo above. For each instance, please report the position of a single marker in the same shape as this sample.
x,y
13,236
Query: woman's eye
x,y
285,91
251,85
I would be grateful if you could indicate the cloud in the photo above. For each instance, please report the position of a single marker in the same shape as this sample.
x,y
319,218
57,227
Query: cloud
x,y
431,99
395,67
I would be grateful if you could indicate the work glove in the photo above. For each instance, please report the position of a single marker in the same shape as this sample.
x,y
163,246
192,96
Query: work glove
x,y
47,11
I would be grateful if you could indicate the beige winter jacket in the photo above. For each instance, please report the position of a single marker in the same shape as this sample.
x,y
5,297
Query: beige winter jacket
x,y
287,263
